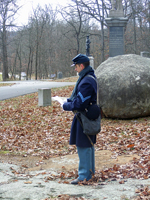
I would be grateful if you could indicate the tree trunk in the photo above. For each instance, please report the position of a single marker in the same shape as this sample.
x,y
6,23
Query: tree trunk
x,y
4,50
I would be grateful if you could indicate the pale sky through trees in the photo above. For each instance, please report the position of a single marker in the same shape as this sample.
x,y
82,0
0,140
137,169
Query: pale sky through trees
x,y
28,6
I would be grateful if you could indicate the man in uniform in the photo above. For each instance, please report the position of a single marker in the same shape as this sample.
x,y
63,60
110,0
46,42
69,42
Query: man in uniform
x,y
84,94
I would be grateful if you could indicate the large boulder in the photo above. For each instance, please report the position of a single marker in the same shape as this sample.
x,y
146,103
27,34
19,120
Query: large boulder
x,y
124,86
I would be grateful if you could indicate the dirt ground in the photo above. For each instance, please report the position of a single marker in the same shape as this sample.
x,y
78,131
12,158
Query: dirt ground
x,y
103,159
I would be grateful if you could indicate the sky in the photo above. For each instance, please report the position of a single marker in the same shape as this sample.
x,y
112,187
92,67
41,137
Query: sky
x,y
27,6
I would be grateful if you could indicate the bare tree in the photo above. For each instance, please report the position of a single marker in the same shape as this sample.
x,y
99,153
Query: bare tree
x,y
144,23
138,34
47,44
77,25
96,9
30,46
14,53
8,9
133,6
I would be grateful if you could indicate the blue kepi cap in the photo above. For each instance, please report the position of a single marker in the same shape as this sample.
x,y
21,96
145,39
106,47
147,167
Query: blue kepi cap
x,y
80,58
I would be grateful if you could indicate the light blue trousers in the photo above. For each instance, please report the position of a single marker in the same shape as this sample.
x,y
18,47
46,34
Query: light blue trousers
x,y
86,162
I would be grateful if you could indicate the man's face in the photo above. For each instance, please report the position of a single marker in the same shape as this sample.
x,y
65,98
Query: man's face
x,y
79,67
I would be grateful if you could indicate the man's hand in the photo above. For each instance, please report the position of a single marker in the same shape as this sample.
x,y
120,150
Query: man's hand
x,y
60,100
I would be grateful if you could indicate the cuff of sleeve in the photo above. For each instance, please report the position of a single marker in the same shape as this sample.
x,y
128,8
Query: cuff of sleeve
x,y
64,106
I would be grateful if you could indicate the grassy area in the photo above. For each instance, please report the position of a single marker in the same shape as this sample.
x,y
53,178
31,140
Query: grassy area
x,y
6,84
0,77
68,79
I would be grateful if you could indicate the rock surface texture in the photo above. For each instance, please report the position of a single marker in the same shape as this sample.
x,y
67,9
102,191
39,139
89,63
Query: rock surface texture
x,y
124,86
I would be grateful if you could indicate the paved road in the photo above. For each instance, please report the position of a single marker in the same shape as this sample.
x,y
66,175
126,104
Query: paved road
x,y
27,87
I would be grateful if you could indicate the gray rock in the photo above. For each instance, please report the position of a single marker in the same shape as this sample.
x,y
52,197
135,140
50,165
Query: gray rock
x,y
33,186
124,86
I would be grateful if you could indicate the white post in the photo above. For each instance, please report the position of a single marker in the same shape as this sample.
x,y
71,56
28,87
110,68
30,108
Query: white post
x,y
91,61
44,97
145,54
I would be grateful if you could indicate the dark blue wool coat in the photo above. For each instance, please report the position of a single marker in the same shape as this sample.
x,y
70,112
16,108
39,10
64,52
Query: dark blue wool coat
x,y
86,93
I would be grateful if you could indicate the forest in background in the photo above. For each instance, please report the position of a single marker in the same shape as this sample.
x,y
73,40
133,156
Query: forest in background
x,y
53,36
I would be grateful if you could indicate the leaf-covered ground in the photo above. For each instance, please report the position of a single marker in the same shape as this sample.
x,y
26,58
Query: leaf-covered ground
x,y
27,129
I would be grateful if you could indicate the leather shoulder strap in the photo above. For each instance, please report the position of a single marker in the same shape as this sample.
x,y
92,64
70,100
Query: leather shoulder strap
x,y
97,87
91,77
